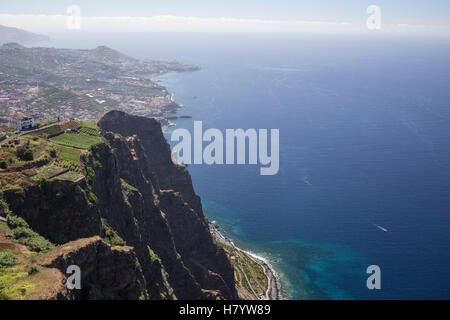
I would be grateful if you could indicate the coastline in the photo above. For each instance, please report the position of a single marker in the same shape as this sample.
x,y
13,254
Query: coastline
x,y
274,285
274,290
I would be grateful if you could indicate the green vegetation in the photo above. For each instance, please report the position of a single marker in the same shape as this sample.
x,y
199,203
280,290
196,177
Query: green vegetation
x,y
90,175
69,158
48,131
3,164
127,186
15,222
70,154
16,282
72,166
7,259
3,205
110,236
33,270
45,123
250,278
46,171
89,131
89,124
76,140
92,197
23,234
24,153
8,278
57,129
31,239
153,256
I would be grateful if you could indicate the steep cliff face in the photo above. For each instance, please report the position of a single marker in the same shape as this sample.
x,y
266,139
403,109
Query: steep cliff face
x,y
159,207
132,195
107,272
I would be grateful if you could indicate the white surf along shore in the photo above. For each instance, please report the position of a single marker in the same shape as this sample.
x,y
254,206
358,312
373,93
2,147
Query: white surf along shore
x,y
274,285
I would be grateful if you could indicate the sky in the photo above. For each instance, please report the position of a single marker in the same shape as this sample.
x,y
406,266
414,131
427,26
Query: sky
x,y
231,15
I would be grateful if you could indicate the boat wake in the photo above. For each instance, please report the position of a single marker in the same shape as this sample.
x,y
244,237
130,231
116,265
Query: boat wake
x,y
381,228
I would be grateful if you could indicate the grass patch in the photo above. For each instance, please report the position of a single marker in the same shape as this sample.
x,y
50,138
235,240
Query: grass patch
x,y
69,158
70,154
9,277
89,124
15,282
80,141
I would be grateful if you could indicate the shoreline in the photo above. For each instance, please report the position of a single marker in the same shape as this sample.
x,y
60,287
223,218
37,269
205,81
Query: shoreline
x,y
274,285
273,291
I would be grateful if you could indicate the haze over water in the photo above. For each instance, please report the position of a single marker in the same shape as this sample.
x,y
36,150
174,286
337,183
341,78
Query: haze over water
x,y
364,153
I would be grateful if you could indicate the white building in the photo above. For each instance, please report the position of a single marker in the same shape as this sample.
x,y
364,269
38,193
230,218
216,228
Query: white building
x,y
21,122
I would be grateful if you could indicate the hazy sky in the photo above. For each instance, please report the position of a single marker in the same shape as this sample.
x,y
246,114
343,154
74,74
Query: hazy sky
x,y
284,14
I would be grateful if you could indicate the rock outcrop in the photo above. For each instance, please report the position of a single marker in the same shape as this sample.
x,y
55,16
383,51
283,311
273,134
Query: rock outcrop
x,y
107,272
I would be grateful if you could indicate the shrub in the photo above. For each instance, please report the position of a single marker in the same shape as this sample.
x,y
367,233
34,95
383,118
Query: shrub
x,y
53,152
19,193
7,259
3,164
33,270
24,153
4,206
90,175
153,256
92,197
23,234
110,236
37,243
16,222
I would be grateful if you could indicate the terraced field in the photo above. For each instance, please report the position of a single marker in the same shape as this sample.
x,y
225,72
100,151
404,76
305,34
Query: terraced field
x,y
76,140
69,154
90,131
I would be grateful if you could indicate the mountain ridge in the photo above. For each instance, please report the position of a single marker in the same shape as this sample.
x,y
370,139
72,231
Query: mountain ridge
x,y
23,37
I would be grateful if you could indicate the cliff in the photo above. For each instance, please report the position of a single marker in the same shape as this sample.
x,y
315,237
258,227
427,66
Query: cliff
x,y
132,223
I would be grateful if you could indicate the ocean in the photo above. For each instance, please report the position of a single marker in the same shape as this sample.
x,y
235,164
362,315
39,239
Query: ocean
x,y
364,173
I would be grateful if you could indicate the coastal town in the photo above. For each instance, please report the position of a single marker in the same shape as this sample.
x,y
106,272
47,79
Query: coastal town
x,y
48,83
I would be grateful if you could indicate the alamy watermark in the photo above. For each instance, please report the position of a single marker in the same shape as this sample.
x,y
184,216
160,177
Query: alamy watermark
x,y
74,277
374,20
374,280
73,21
235,147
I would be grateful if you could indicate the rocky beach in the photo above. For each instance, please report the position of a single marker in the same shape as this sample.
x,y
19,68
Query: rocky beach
x,y
274,285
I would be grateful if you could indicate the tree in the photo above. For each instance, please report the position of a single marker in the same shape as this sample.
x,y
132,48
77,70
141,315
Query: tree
x,y
3,164
24,153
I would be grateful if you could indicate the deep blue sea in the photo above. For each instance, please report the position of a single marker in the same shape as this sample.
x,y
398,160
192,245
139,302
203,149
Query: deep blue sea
x,y
364,146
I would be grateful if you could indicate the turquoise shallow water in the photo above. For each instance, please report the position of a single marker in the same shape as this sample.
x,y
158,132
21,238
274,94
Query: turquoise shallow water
x,y
364,130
